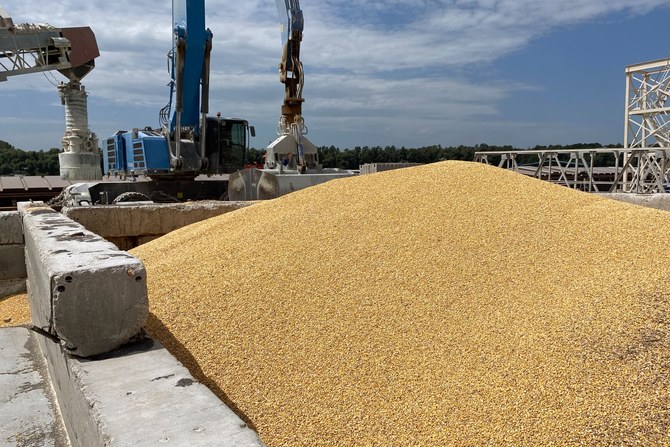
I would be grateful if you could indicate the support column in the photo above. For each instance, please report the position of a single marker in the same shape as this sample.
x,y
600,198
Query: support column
x,y
80,159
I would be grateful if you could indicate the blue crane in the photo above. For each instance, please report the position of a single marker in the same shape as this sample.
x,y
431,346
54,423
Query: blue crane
x,y
189,142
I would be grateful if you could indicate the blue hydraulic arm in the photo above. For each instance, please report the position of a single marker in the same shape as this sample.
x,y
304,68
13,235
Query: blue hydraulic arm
x,y
190,68
189,71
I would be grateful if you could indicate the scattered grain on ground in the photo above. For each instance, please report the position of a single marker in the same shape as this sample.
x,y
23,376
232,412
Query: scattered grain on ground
x,y
449,304
14,310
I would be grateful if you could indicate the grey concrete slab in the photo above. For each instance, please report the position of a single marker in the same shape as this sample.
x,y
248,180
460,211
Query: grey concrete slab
x,y
12,262
660,201
140,395
81,287
11,287
11,231
29,415
27,205
79,413
147,219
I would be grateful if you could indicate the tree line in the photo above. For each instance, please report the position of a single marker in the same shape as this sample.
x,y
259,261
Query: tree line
x,y
15,161
333,157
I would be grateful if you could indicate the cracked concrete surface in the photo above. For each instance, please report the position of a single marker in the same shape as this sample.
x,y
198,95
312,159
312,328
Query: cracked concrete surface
x,y
29,415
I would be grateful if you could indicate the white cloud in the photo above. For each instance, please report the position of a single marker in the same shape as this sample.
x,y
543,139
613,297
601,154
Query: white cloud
x,y
378,69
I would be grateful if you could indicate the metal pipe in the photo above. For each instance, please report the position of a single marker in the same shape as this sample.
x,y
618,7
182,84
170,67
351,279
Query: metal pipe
x,y
177,136
179,101
204,95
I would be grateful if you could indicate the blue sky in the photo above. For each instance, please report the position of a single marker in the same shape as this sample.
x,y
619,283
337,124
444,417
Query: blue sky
x,y
408,73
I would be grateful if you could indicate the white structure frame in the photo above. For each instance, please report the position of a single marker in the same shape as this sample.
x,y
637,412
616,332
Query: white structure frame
x,y
647,108
635,170
642,166
31,49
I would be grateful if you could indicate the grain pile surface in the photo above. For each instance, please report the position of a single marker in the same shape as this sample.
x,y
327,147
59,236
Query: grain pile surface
x,y
14,310
449,304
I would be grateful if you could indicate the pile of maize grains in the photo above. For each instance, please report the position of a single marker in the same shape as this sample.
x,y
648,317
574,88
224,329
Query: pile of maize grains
x,y
450,304
14,310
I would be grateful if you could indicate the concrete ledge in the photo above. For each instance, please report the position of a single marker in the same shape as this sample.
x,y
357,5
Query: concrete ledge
x,y
12,262
29,414
12,287
81,287
114,221
11,231
142,396
12,257
658,201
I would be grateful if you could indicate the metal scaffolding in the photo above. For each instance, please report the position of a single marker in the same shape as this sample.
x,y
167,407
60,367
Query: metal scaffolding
x,y
647,93
636,170
642,166
32,48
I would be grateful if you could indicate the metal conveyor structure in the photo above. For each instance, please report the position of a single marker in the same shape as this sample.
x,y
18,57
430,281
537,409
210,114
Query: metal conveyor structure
x,y
642,166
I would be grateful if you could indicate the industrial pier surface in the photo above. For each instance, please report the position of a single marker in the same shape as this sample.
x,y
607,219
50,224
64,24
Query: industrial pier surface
x,y
134,394
112,385
29,414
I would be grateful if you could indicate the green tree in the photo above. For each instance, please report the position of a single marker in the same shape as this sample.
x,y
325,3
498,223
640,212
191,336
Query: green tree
x,y
15,161
255,156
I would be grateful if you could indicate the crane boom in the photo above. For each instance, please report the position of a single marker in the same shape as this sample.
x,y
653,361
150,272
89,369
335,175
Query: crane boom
x,y
29,48
290,68
192,43
282,171
291,128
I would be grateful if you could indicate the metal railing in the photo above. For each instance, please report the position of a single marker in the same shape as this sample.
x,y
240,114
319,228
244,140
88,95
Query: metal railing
x,y
633,170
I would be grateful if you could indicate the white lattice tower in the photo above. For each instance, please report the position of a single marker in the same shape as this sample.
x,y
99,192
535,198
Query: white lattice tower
x,y
647,109
647,126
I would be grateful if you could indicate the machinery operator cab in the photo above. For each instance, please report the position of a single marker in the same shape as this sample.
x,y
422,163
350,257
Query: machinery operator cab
x,y
227,142
143,152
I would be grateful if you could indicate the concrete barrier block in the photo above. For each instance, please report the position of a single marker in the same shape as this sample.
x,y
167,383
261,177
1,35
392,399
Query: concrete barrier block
x,y
81,287
659,201
140,395
11,287
22,206
154,219
12,262
11,231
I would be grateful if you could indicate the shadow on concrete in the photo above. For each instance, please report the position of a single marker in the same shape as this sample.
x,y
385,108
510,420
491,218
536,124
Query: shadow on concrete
x,y
144,344
157,329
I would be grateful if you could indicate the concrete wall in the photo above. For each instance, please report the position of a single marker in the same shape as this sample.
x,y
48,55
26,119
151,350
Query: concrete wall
x,y
81,288
90,297
130,225
126,226
657,201
139,395
371,168
12,258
